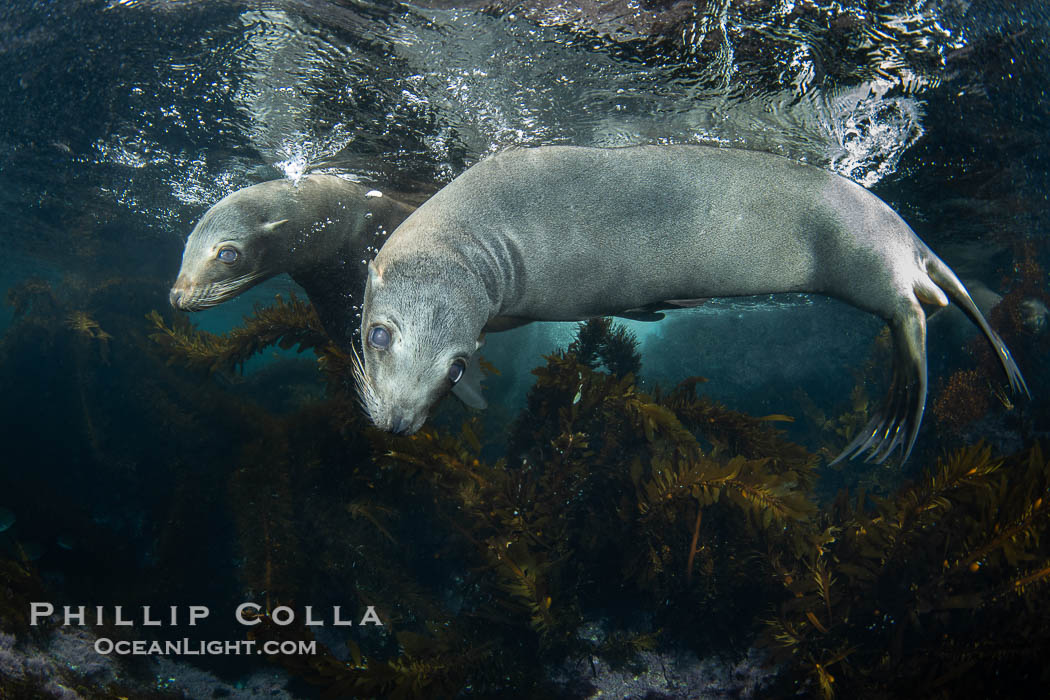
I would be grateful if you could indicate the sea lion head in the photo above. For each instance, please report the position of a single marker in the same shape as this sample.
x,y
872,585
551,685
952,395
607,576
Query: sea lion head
x,y
236,245
420,325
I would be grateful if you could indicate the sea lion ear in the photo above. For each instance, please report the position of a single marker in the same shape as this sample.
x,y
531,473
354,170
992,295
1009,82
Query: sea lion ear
x,y
271,226
375,277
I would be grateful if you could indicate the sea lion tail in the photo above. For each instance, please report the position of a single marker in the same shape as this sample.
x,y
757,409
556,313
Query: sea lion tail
x,y
944,278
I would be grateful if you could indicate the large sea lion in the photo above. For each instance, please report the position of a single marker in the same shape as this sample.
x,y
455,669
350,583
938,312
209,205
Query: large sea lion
x,y
565,233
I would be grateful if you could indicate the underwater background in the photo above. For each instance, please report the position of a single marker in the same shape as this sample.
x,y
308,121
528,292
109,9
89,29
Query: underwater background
x,y
645,510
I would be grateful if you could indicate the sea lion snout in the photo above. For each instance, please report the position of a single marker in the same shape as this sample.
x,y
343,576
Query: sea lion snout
x,y
399,421
182,293
175,297
188,295
399,424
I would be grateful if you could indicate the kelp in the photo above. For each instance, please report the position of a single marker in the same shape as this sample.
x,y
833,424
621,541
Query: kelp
x,y
89,330
286,324
963,400
907,595
599,475
511,539
489,567
600,343
868,584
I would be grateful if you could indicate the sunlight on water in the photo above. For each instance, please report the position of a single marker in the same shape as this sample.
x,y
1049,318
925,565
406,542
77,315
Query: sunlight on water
x,y
363,88
285,61
293,168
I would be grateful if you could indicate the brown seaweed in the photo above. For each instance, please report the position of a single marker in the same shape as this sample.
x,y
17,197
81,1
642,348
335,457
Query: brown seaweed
x,y
900,595
286,324
487,561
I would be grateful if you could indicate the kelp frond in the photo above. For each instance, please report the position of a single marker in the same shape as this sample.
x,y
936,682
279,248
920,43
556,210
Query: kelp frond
x,y
744,482
967,540
86,326
599,342
284,324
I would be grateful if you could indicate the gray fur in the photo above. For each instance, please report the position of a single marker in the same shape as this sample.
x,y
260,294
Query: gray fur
x,y
317,230
563,233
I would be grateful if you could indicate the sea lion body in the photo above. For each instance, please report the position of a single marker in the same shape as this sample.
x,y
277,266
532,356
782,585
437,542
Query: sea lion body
x,y
320,231
566,233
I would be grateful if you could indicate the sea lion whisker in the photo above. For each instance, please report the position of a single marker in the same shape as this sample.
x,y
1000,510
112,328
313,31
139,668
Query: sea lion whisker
x,y
237,282
194,301
366,393
218,292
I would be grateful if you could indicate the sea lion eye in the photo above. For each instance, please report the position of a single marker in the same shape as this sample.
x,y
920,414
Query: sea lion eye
x,y
379,338
227,255
455,372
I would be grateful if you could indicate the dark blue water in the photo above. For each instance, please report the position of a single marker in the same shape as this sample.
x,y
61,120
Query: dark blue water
x,y
588,532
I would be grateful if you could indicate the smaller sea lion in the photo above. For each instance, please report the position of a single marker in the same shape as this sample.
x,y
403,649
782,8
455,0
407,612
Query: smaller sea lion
x,y
318,230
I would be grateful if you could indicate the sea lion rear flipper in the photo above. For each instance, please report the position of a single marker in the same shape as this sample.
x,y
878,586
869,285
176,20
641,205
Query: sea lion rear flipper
x,y
944,278
897,421
468,388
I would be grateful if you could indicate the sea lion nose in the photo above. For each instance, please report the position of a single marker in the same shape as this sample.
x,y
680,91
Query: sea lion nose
x,y
399,424
175,297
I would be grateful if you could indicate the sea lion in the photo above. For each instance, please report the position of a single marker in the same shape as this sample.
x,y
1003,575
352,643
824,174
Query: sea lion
x,y
318,230
566,233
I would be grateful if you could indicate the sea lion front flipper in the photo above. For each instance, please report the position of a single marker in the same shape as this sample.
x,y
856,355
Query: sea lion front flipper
x,y
643,314
897,421
468,388
325,287
654,312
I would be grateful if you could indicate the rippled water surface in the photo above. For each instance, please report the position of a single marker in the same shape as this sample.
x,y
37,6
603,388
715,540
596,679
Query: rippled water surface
x,y
190,100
